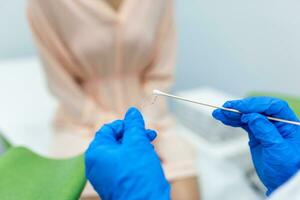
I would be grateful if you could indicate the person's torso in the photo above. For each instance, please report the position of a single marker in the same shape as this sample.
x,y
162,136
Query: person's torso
x,y
111,48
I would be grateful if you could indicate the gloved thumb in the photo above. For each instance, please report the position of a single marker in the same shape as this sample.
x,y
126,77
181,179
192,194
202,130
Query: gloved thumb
x,y
134,128
263,130
134,119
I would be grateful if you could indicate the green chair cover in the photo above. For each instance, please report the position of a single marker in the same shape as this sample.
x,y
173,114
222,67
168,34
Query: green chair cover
x,y
25,175
294,102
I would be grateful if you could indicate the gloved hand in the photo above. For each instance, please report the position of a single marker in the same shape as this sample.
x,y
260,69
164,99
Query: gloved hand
x,y
121,162
275,146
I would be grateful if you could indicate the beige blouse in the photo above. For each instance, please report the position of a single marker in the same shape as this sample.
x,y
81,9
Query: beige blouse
x,y
100,61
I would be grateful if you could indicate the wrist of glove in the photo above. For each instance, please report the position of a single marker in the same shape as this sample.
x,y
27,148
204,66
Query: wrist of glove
x,y
274,146
121,162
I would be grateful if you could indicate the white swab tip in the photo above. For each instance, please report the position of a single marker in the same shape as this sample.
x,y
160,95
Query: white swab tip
x,y
156,92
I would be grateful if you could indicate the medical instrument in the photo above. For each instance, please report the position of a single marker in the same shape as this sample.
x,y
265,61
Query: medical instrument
x,y
160,93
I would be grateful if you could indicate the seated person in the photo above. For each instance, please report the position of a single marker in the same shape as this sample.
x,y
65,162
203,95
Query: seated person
x,y
100,57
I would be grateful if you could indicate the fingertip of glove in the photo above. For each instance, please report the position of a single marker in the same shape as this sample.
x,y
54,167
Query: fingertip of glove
x,y
235,104
151,134
228,104
217,114
133,112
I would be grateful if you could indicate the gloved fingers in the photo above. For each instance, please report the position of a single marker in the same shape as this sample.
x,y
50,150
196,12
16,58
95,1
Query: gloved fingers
x,y
266,105
109,133
228,118
234,120
231,115
134,132
134,119
263,130
253,142
136,136
151,134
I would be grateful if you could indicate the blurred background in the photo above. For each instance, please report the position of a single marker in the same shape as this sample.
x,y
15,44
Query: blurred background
x,y
227,49
236,46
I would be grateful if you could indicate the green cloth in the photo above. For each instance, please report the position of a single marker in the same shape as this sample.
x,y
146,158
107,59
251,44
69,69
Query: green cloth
x,y
294,102
27,176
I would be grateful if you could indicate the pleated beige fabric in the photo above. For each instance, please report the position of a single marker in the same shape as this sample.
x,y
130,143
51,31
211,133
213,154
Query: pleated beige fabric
x,y
99,61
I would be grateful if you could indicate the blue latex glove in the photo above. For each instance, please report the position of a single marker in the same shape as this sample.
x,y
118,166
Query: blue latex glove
x,y
121,162
275,146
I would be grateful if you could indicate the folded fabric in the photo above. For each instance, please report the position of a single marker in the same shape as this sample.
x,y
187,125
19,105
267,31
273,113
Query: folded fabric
x,y
293,101
28,176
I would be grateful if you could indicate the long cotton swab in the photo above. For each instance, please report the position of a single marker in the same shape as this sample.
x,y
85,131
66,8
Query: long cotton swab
x,y
160,93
